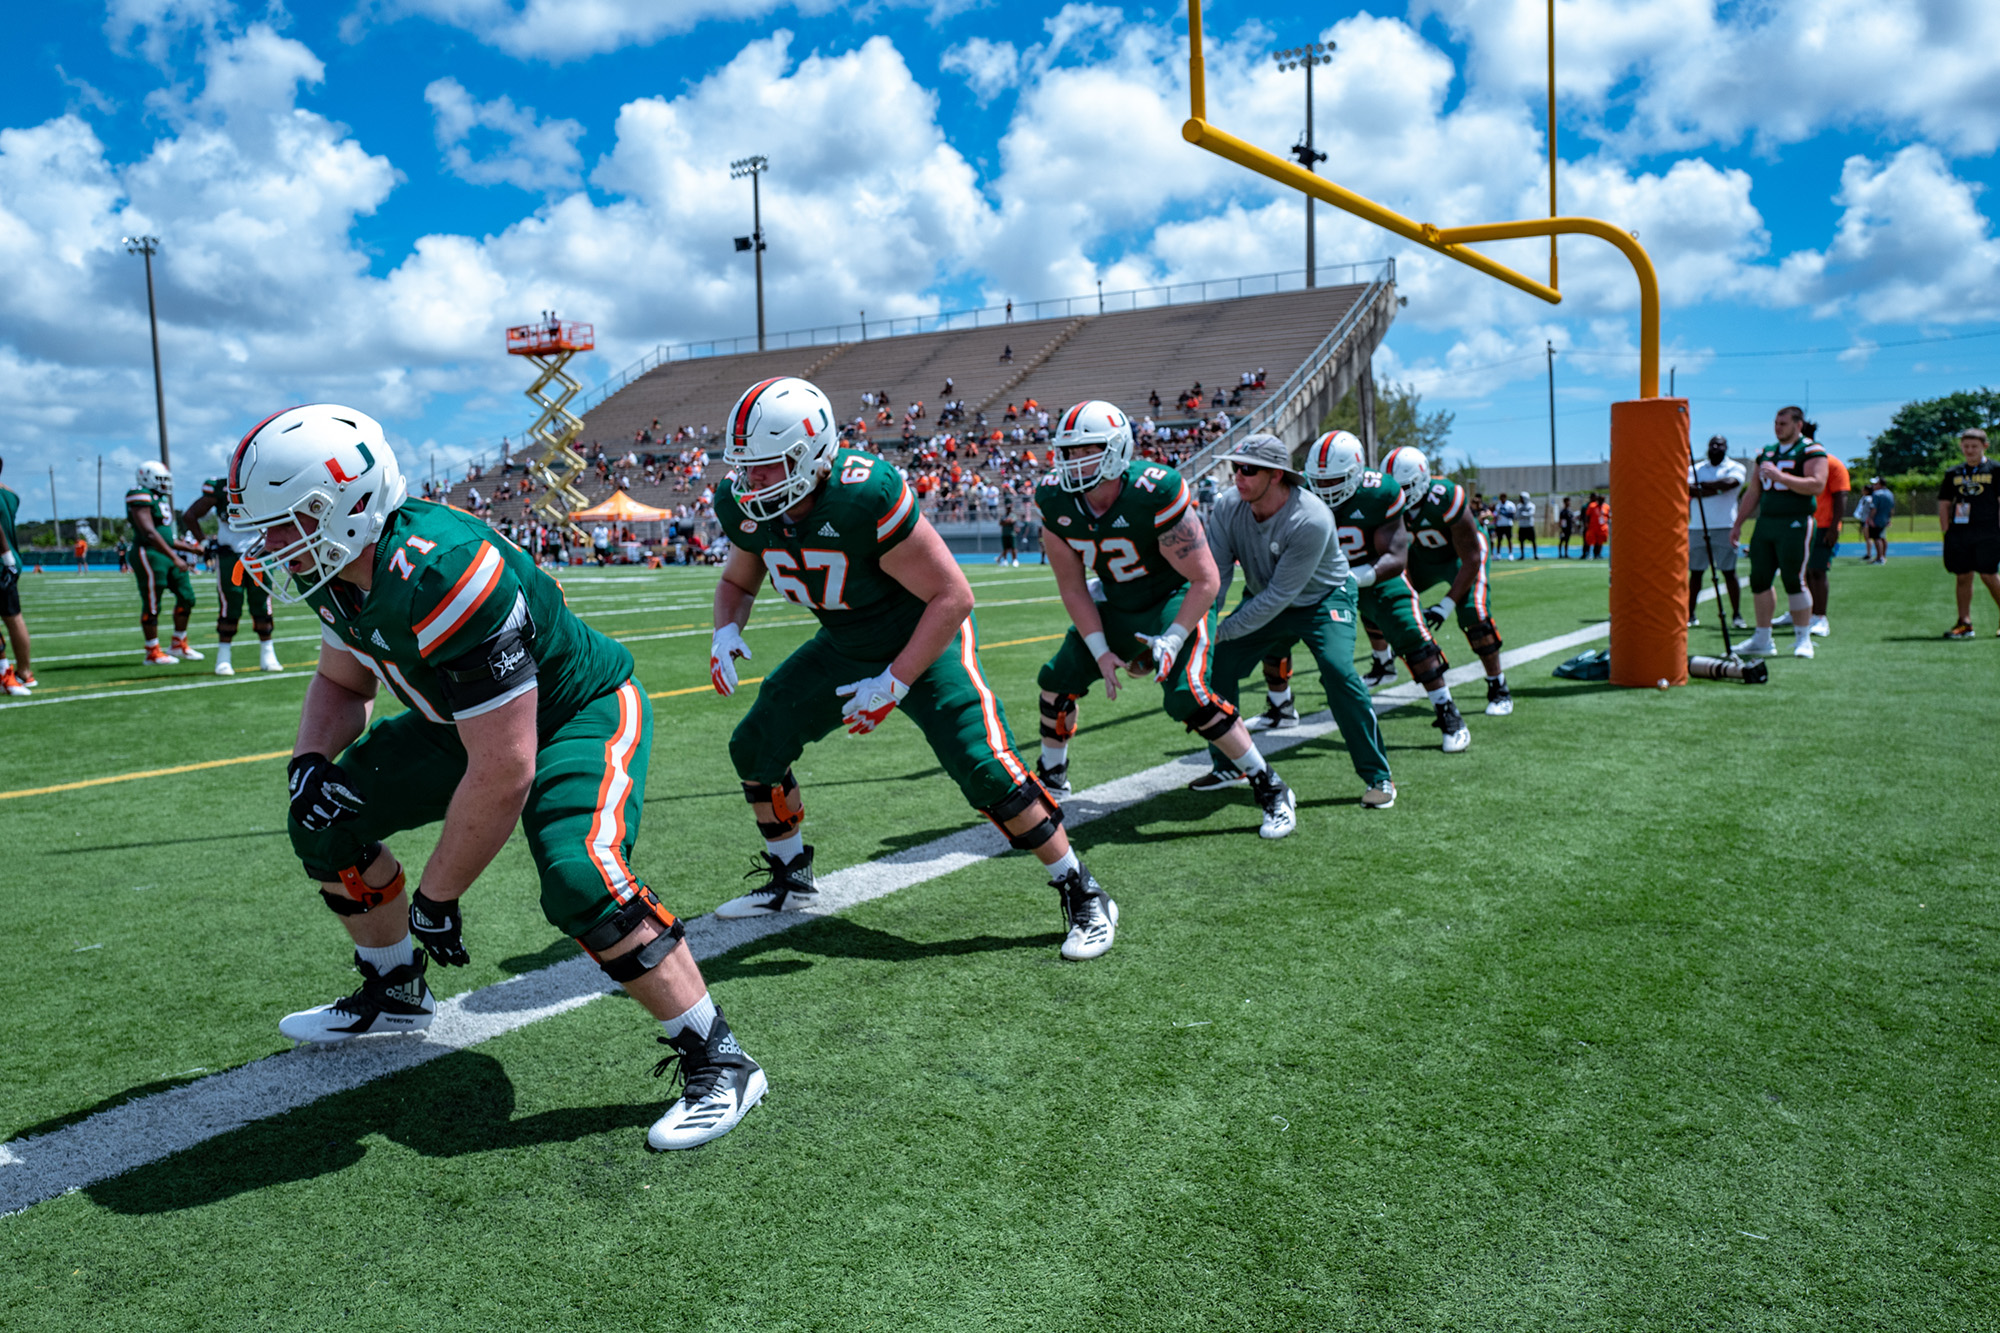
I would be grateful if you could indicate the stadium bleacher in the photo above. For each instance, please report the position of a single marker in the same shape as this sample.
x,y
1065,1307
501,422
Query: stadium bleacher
x,y
1122,357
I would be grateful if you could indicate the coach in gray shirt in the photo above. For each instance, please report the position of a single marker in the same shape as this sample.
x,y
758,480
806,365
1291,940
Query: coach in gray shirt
x,y
1297,590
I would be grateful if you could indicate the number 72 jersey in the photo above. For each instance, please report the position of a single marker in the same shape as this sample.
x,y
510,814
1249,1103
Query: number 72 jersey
x,y
1122,545
830,561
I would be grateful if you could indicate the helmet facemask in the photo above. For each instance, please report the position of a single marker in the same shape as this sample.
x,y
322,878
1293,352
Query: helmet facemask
x,y
311,515
803,472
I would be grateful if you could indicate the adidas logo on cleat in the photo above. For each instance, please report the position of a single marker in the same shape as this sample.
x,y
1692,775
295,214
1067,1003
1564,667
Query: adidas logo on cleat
x,y
728,1046
826,530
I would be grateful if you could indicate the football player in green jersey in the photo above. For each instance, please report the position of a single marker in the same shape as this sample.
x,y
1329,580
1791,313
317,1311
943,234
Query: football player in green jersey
x,y
1369,507
1448,546
1133,524
160,563
516,713
15,677
1783,494
232,589
838,531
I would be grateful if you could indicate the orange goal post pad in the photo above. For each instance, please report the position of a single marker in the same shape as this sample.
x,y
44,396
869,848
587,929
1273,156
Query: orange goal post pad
x,y
1649,560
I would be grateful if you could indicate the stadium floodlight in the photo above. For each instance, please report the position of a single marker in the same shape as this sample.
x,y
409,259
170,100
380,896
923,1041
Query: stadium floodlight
x,y
753,167
150,246
1313,53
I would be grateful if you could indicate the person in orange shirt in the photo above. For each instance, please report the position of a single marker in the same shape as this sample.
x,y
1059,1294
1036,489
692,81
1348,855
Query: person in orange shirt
x,y
1832,512
82,556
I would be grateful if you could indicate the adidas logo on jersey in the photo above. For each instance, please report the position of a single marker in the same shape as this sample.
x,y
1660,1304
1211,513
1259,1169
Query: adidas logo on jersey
x,y
826,530
1119,522
1354,513
379,641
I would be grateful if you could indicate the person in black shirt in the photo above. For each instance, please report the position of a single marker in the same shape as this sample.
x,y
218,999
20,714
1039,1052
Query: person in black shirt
x,y
1969,517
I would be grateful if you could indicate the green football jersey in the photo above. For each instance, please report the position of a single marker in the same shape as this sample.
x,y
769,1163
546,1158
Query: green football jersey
x,y
1431,518
162,509
10,505
1777,501
444,584
1379,500
830,561
1122,545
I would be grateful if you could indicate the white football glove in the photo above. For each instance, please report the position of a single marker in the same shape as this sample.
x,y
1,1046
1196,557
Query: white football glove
x,y
723,650
870,701
1095,586
7,559
1164,648
1365,575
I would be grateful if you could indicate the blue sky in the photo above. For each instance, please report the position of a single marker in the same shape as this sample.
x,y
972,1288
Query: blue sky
x,y
354,199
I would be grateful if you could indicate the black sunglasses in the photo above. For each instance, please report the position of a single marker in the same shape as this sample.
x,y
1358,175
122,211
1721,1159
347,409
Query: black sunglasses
x,y
1249,470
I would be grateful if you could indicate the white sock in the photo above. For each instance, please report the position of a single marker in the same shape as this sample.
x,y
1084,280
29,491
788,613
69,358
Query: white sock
x,y
1059,868
787,848
1383,658
1252,761
152,643
700,1016
1279,698
1500,680
1440,696
222,654
389,956
1053,755
4,663
1802,633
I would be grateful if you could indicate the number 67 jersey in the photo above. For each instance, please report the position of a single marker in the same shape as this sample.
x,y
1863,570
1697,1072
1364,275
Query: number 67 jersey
x,y
830,561
1122,545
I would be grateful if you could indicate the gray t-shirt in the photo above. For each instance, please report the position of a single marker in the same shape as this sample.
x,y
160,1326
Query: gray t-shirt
x,y
1290,559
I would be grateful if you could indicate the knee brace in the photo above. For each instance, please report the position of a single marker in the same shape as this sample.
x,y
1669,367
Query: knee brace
x,y
1278,673
634,912
1059,719
1484,637
1428,667
787,811
226,626
1026,797
261,628
1211,721
357,898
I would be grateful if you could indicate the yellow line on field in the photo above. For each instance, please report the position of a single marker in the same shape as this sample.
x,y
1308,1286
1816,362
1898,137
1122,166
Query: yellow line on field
x,y
149,773
1010,643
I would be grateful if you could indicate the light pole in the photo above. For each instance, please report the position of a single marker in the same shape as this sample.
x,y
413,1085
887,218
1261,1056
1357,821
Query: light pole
x,y
1553,487
753,167
150,246
1312,53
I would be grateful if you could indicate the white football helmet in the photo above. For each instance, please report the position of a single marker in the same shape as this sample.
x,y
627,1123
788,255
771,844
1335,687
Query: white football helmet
x,y
329,472
1086,424
1334,464
154,477
784,420
1410,468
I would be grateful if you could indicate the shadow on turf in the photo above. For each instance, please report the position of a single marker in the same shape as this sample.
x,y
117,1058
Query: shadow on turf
x,y
130,1094
167,842
456,1105
839,937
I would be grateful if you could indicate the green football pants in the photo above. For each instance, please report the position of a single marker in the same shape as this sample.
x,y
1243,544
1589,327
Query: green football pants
x,y
157,577
581,819
1327,630
230,595
1392,608
1424,575
951,704
1778,550
1073,670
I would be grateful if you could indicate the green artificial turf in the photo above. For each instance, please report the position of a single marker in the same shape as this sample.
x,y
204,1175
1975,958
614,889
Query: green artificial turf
x,y
1652,1010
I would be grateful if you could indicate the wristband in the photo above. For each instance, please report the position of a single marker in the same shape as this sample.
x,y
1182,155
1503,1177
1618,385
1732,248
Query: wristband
x,y
1365,575
1446,605
1095,641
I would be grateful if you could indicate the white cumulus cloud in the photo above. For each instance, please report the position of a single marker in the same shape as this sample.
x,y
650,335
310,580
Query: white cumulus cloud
x,y
536,154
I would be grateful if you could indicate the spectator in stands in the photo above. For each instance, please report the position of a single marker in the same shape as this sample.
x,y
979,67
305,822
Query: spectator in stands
x,y
1010,310
945,394
1153,401
1007,354
1258,383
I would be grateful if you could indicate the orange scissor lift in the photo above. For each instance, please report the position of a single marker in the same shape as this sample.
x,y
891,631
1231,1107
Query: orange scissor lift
x,y
550,344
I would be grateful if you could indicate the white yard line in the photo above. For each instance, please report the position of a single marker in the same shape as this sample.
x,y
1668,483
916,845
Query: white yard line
x,y
147,1129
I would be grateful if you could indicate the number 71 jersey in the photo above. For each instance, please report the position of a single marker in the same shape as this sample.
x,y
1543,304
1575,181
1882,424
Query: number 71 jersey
x,y
1122,545
830,561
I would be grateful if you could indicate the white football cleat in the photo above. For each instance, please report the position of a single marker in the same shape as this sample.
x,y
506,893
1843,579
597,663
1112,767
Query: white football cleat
x,y
1759,645
1820,628
1275,716
1804,647
1055,781
392,1001
222,667
1090,913
1499,700
788,888
1457,736
719,1086
1279,804
178,646
267,658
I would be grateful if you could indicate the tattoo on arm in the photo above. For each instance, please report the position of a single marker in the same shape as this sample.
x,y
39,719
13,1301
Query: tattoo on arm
x,y
1183,536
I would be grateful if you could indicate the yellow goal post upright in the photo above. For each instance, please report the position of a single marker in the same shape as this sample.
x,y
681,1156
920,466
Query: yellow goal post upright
x,y
1649,435
550,344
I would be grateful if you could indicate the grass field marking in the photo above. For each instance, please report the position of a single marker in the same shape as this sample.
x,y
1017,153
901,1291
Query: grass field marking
x,y
700,689
148,773
1015,643
147,1129
247,678
126,652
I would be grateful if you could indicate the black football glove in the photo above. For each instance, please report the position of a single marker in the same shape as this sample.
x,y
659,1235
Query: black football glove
x,y
439,926
322,795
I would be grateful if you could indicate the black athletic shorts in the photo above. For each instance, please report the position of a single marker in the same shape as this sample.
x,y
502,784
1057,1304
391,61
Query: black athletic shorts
x,y
1971,551
10,593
